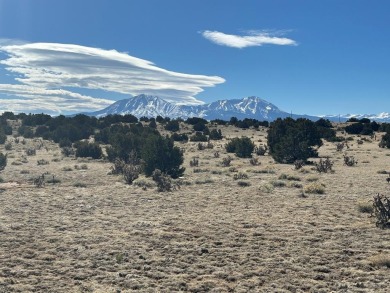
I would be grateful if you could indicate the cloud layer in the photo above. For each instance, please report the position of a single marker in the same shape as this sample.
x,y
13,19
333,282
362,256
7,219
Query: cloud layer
x,y
254,38
46,71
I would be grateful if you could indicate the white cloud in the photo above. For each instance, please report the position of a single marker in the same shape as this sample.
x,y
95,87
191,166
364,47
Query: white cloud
x,y
254,38
35,99
47,69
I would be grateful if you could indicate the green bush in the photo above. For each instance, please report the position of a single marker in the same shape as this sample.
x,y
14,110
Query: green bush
x,y
3,161
385,141
243,147
200,126
179,137
215,134
172,125
199,136
360,128
65,142
3,138
86,149
160,153
290,140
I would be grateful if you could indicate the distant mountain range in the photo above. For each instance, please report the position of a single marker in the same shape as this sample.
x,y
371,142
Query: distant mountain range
x,y
250,107
152,106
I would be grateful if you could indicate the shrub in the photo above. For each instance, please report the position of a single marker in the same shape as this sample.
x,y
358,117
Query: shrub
x,y
209,145
254,161
242,147
316,187
204,181
385,141
65,142
199,170
39,181
160,153
298,164
80,185
118,166
349,161
381,211
67,151
201,147
86,149
201,126
195,120
215,134
42,162
289,177
278,183
179,137
26,131
31,152
312,179
243,183
364,207
194,162
261,150
226,161
240,175
3,161
144,184
198,136
290,140
130,173
381,260
266,187
340,146
53,180
324,166
172,125
295,185
233,169
164,182
152,123
323,123
363,128
8,146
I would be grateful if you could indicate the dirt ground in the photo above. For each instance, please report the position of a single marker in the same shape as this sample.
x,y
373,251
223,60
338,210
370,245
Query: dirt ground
x,y
90,232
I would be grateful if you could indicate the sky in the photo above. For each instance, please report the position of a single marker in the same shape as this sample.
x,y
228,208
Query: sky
x,y
305,56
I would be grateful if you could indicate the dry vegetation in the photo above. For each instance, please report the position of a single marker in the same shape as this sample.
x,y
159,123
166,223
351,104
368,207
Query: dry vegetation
x,y
244,227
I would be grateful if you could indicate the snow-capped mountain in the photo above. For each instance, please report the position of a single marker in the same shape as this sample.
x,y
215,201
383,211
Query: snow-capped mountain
x,y
250,107
381,117
152,106
142,105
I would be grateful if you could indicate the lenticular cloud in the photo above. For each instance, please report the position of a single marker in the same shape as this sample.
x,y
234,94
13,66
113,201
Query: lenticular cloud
x,y
255,38
49,66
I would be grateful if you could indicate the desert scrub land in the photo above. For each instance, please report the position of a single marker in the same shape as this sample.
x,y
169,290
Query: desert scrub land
x,y
245,226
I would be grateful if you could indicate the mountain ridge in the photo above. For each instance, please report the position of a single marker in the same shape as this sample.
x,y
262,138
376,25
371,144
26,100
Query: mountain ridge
x,y
248,107
152,106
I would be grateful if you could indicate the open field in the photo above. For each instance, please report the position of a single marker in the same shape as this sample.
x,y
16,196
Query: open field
x,y
91,232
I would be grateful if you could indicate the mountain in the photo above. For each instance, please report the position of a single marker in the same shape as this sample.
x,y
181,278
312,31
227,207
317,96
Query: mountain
x,y
381,117
152,106
250,107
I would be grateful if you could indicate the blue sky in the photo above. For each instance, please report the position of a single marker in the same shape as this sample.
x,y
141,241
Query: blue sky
x,y
308,57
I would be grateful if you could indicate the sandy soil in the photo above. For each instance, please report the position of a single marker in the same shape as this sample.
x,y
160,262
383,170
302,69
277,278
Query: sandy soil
x,y
93,233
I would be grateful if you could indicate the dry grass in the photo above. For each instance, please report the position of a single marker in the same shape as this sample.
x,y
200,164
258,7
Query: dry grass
x,y
91,232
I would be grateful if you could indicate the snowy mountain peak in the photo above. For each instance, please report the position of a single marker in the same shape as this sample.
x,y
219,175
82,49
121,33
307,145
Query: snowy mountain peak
x,y
248,107
152,106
